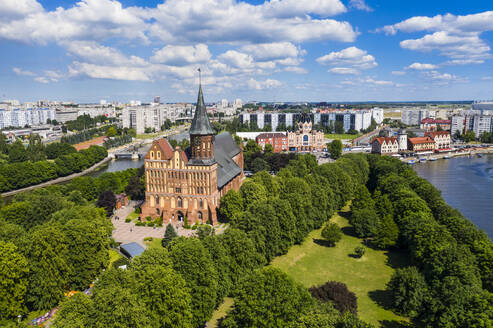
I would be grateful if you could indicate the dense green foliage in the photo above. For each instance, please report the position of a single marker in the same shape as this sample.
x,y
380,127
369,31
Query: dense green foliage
x,y
331,233
27,173
335,149
337,292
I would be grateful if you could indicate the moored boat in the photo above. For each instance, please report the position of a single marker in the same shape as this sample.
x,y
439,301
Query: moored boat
x,y
422,160
411,162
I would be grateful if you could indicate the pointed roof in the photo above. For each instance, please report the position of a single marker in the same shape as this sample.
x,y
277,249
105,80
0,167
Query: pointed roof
x,y
200,122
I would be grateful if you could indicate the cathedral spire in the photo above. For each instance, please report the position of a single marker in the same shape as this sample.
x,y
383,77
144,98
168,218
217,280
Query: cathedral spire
x,y
200,123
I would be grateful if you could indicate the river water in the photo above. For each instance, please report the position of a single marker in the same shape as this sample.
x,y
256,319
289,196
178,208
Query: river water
x,y
466,184
126,163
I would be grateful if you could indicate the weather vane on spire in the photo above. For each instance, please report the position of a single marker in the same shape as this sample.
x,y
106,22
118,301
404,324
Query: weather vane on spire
x,y
200,76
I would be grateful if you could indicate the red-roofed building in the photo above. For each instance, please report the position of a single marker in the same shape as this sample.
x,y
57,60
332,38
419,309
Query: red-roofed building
x,y
278,140
385,146
430,124
442,139
421,144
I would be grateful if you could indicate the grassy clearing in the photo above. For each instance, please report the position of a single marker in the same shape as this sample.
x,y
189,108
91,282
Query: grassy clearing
x,y
220,312
344,136
154,243
133,216
312,263
114,255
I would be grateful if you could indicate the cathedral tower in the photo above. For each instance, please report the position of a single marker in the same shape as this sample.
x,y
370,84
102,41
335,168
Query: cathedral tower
x,y
201,135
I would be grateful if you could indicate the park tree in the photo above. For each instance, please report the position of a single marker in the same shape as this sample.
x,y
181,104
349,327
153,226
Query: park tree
x,y
74,312
192,260
242,253
11,232
335,149
222,264
17,152
135,188
322,315
268,149
111,132
337,292
165,294
268,298
231,205
331,233
116,306
169,235
387,233
36,148
49,270
13,277
408,290
17,213
365,222
88,242
107,200
469,136
57,149
259,164
252,191
252,147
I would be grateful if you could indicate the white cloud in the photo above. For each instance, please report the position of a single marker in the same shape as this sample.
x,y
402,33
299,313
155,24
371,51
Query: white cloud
x,y
270,51
344,71
421,67
22,72
95,53
437,76
377,82
296,69
260,85
41,79
487,78
182,55
360,5
456,37
228,21
12,9
109,72
399,73
348,61
237,59
292,8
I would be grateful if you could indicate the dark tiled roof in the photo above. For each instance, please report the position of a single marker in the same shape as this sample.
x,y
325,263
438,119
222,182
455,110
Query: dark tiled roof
x,y
421,140
225,149
200,122
433,134
271,135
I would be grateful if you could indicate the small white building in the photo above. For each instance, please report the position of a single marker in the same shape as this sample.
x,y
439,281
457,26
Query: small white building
x,y
385,146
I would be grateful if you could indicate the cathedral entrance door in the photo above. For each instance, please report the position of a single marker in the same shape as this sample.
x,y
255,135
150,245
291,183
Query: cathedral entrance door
x,y
180,216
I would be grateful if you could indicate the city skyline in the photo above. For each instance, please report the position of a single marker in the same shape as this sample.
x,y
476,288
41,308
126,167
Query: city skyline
x,y
325,50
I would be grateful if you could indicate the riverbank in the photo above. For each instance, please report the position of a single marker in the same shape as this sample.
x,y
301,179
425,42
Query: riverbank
x,y
58,180
461,153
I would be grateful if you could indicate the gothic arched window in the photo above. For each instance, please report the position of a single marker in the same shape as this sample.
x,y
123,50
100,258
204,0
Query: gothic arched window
x,y
201,203
180,202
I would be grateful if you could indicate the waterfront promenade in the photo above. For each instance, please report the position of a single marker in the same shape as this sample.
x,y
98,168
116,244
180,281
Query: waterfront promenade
x,y
462,152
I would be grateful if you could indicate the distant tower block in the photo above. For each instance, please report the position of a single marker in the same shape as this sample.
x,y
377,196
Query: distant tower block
x,y
402,139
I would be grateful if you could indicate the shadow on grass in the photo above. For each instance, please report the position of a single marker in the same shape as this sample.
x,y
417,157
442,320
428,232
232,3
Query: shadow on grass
x,y
382,298
354,256
322,242
397,258
345,214
349,231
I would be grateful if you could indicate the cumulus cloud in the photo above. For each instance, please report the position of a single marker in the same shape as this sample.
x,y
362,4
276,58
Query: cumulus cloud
x,y
93,52
456,37
270,51
348,61
421,67
12,9
182,55
296,69
109,72
260,85
377,82
399,73
360,5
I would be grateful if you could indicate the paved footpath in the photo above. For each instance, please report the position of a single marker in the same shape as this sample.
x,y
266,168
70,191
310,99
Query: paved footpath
x,y
129,232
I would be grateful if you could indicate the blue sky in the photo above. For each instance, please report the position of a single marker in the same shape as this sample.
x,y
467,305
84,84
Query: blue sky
x,y
277,50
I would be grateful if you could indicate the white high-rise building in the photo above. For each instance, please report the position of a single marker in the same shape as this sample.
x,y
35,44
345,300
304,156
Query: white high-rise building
x,y
224,103
238,103
377,115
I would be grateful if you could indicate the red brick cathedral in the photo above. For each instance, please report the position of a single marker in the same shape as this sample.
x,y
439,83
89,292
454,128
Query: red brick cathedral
x,y
190,183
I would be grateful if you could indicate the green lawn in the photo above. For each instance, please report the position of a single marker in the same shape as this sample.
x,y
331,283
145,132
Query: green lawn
x,y
314,264
154,243
114,255
220,312
341,136
133,216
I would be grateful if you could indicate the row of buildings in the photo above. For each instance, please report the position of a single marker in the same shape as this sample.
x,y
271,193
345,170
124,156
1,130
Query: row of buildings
x,y
305,138
471,121
432,141
351,119
154,116
17,117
